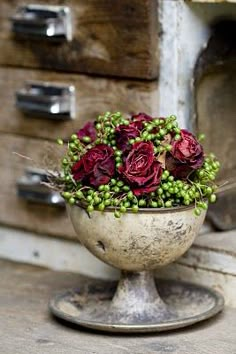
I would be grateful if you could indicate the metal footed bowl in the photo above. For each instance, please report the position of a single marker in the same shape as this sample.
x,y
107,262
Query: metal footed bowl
x,y
137,244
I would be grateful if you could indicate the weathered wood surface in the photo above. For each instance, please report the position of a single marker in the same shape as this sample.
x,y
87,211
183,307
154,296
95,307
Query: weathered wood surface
x,y
216,107
93,97
215,103
211,261
27,328
17,212
110,38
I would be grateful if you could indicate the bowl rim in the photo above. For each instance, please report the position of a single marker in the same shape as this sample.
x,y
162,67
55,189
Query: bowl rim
x,y
140,210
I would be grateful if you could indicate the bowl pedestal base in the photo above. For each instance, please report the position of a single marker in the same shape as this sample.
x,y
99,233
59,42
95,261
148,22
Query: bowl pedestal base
x,y
137,304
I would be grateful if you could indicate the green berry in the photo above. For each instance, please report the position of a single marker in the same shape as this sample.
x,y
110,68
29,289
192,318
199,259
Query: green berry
x,y
98,126
135,208
118,153
71,201
201,137
60,142
168,204
209,190
107,202
74,137
127,204
162,132
120,183
142,202
86,139
212,198
90,208
97,200
145,134
107,195
165,186
177,137
72,146
65,161
126,188
197,211
123,209
130,195
79,194
149,128
89,198
117,214
66,195
101,206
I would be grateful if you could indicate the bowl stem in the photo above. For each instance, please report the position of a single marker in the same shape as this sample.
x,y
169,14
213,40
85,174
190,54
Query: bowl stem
x,y
136,300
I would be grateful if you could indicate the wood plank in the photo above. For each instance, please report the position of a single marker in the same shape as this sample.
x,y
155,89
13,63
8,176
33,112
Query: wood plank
x,y
26,326
17,212
117,38
94,95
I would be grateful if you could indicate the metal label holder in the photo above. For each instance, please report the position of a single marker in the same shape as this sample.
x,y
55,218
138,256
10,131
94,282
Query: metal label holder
x,y
47,100
43,22
30,188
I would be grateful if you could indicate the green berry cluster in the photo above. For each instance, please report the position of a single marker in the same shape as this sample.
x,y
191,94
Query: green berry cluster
x,y
198,189
158,131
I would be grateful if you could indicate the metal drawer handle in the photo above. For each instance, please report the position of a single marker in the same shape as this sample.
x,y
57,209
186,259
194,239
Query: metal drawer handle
x,y
30,188
47,100
43,22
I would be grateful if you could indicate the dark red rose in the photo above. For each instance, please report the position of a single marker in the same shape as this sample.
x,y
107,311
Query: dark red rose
x,y
139,118
87,130
123,134
141,170
96,167
186,155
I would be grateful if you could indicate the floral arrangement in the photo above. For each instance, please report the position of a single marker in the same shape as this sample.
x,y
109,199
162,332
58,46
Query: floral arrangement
x,y
136,162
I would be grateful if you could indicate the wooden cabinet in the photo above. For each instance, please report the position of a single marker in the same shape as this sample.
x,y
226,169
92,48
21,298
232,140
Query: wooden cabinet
x,y
109,37
17,212
115,41
93,96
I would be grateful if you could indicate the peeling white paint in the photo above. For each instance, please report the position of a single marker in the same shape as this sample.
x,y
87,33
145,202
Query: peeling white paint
x,y
185,30
53,253
224,283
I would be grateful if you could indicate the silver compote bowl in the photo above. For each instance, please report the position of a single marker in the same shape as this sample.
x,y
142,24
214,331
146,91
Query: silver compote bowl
x,y
137,244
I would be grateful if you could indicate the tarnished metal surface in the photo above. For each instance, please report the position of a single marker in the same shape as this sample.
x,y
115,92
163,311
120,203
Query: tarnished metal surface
x,y
137,242
92,306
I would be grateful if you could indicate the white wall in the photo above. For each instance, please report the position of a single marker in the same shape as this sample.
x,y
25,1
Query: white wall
x,y
184,31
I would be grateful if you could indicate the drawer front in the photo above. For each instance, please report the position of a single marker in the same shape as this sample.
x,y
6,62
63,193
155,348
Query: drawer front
x,y
117,38
92,97
16,211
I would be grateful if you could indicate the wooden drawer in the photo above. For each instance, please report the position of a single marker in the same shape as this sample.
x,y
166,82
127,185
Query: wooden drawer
x,y
16,212
92,96
115,37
